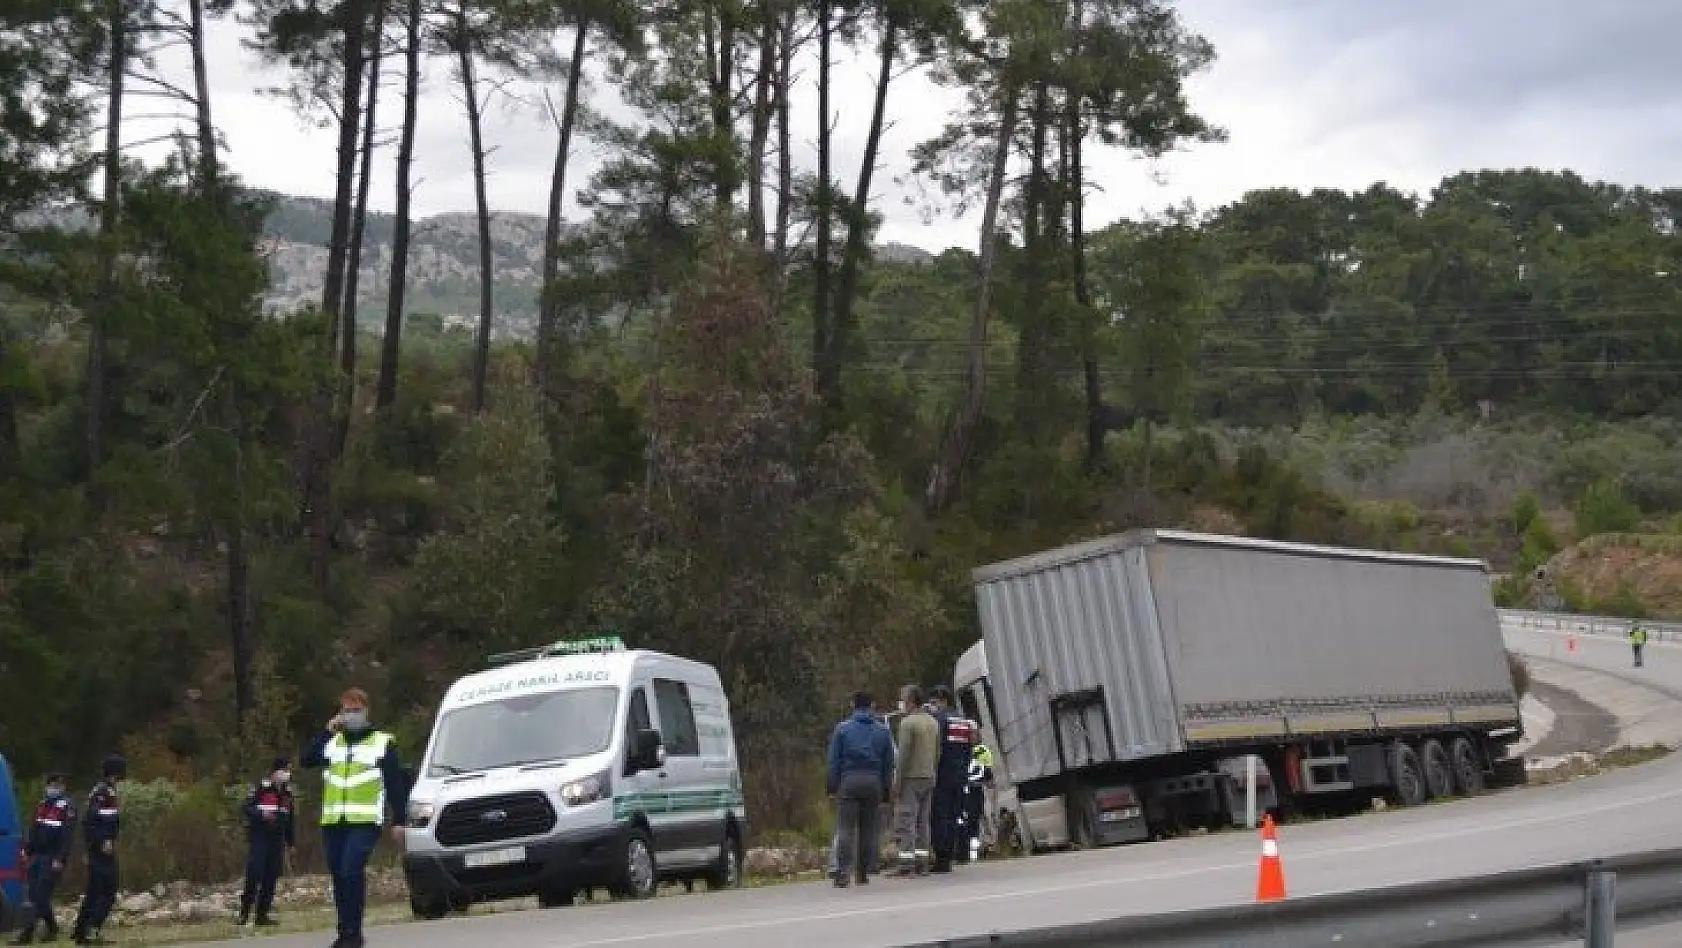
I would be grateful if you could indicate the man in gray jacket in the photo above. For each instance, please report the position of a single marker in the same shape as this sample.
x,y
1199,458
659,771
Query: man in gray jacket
x,y
913,790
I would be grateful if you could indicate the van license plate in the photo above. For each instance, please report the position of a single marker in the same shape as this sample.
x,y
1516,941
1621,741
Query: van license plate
x,y
495,857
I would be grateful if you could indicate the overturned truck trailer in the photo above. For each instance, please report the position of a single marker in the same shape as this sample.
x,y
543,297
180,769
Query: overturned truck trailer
x,y
1123,682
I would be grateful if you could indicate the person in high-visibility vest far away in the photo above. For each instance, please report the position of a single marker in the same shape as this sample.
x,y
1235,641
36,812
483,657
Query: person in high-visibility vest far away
x,y
268,830
361,784
1637,640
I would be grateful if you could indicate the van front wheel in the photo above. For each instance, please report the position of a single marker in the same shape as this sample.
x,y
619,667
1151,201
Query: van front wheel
x,y
727,872
429,907
638,874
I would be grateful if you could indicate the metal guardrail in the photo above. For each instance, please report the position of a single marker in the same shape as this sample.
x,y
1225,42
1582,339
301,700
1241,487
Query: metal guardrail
x,y
1528,906
1591,625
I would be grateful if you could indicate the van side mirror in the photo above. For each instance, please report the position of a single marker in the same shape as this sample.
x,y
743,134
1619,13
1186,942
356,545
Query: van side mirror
x,y
647,752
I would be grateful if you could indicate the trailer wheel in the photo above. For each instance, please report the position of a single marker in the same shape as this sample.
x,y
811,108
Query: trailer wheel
x,y
1468,772
1406,775
1439,773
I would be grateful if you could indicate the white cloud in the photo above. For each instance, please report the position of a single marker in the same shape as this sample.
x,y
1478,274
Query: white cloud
x,y
1315,93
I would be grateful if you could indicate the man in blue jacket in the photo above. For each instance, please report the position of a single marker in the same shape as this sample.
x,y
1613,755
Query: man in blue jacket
x,y
861,766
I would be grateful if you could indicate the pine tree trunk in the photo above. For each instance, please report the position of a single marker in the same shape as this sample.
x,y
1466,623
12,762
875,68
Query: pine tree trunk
x,y
201,89
785,157
549,309
760,134
238,603
98,375
721,62
824,370
1098,420
1033,383
350,115
858,218
482,348
391,347
955,448
358,233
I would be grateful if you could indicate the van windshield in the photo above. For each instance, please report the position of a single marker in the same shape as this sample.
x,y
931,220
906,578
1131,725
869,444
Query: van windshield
x,y
542,728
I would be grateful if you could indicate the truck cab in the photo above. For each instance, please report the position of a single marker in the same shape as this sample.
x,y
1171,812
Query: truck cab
x,y
1118,811
1039,824
11,851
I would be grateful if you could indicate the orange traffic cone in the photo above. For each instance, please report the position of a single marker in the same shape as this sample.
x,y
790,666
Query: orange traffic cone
x,y
1270,886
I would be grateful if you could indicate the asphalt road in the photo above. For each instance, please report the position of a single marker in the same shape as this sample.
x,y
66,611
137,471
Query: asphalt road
x,y
1662,661
1624,811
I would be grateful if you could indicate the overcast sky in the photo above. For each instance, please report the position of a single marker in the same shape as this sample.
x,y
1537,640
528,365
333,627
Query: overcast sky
x,y
1337,93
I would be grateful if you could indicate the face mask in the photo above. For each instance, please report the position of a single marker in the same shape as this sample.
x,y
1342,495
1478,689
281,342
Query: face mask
x,y
354,720
283,777
54,793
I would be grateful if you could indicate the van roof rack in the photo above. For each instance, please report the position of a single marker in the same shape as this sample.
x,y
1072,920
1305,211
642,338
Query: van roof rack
x,y
595,645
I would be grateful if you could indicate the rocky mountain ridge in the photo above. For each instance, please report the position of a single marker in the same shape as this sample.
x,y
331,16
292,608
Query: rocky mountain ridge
x,y
443,271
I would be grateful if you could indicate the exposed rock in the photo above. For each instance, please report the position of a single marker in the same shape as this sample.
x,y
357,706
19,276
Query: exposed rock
x,y
202,911
182,902
784,861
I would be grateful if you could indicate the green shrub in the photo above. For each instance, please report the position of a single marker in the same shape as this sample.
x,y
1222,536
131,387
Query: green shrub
x,y
196,833
1520,671
1539,545
1511,591
1527,510
1622,603
1603,508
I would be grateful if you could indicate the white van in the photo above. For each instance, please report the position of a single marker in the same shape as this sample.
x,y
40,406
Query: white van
x,y
575,766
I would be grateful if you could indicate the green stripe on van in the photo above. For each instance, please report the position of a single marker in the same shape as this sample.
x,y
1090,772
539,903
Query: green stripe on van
x,y
668,802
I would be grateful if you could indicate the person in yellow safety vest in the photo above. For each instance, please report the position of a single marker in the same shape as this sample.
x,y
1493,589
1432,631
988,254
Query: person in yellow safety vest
x,y
1637,639
979,800
362,782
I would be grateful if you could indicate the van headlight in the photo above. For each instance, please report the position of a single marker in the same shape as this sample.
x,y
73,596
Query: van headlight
x,y
585,790
420,814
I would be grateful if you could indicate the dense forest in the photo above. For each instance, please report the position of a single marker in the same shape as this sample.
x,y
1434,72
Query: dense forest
x,y
734,433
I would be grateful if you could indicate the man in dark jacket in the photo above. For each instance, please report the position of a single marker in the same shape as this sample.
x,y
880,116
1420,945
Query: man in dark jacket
x,y
957,736
100,824
268,831
46,851
861,766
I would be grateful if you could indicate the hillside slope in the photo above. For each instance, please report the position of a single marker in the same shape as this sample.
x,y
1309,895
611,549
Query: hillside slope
x,y
1605,568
